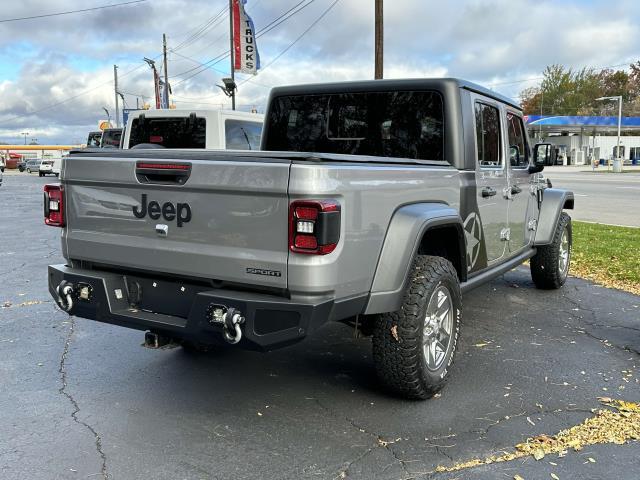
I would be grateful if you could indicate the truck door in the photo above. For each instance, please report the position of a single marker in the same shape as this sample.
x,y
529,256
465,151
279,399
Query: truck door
x,y
491,178
522,200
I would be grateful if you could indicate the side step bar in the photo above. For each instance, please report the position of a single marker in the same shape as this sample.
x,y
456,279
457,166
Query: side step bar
x,y
487,275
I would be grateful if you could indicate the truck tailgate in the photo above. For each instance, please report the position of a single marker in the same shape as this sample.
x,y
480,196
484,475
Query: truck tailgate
x,y
227,221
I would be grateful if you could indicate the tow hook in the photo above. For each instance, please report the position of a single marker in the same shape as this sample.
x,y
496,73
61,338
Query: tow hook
x,y
65,295
232,321
230,318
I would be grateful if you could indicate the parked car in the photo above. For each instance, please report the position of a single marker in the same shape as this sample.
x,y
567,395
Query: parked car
x,y
50,167
94,139
33,165
3,162
377,204
111,138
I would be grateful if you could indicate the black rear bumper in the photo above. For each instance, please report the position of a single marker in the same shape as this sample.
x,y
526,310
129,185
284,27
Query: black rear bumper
x,y
270,321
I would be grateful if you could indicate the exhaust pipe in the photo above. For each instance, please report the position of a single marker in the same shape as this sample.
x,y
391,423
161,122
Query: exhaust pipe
x,y
65,295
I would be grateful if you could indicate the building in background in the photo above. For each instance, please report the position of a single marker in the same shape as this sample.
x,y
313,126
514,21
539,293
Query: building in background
x,y
582,140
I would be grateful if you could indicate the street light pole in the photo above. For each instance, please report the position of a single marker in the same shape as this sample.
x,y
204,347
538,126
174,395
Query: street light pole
x,y
115,83
25,136
619,123
619,99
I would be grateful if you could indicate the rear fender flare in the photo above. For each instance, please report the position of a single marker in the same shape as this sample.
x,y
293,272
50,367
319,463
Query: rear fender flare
x,y
402,241
554,200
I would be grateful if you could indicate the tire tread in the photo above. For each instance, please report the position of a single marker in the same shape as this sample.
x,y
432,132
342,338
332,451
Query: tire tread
x,y
545,271
399,361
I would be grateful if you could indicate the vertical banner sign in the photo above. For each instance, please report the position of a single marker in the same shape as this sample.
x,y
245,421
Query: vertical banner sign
x,y
245,50
164,102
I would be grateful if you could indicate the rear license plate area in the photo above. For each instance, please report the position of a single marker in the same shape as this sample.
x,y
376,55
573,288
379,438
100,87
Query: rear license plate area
x,y
161,296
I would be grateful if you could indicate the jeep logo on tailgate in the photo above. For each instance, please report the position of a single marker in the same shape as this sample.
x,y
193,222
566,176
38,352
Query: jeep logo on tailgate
x,y
180,212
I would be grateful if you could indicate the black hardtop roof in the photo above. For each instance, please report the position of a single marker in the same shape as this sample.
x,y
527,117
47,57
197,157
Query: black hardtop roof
x,y
391,84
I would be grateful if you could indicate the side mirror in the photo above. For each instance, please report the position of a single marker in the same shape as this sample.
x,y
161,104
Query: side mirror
x,y
542,155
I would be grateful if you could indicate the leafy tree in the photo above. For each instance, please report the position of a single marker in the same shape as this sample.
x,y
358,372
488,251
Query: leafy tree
x,y
567,92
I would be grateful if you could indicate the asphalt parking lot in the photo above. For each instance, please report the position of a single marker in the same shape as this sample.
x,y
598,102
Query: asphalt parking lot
x,y
79,399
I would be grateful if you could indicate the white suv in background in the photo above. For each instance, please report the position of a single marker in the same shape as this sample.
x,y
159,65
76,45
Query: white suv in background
x,y
50,167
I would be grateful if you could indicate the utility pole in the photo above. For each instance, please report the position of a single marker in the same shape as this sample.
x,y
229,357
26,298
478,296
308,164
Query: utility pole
x,y
115,82
233,76
166,74
379,40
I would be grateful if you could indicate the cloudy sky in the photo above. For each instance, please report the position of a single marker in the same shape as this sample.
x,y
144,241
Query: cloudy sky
x,y
56,73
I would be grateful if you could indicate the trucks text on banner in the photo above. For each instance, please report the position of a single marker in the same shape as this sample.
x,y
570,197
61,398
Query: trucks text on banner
x,y
245,50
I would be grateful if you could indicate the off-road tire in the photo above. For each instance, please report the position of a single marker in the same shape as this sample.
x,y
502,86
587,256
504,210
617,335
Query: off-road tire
x,y
398,351
545,267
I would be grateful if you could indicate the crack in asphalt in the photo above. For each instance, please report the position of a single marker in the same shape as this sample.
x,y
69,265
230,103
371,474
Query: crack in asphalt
x,y
485,430
380,443
594,316
11,270
74,415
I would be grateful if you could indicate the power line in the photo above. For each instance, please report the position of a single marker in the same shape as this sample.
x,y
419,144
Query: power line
x,y
208,66
219,37
212,23
270,26
194,29
69,12
317,20
85,92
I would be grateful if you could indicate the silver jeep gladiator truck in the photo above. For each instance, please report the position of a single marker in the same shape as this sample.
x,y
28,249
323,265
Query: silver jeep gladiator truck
x,y
375,203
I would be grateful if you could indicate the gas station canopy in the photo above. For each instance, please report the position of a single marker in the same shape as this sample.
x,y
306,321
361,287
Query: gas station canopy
x,y
579,124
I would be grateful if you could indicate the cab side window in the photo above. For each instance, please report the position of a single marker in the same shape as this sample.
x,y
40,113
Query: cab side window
x,y
518,152
488,135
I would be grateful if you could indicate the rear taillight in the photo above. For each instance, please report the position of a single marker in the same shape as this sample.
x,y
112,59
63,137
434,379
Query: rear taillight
x,y
314,226
54,205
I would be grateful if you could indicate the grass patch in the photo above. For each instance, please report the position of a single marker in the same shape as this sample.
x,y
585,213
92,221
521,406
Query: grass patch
x,y
607,255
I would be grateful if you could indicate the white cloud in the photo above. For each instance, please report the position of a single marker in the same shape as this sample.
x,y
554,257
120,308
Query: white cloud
x,y
488,41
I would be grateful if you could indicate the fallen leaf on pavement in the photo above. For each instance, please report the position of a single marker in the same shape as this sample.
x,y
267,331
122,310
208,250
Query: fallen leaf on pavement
x,y
617,425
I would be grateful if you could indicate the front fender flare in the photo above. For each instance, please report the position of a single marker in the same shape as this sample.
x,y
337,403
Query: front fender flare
x,y
406,229
554,200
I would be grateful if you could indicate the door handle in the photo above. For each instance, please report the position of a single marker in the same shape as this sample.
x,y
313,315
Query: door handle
x,y
488,192
515,189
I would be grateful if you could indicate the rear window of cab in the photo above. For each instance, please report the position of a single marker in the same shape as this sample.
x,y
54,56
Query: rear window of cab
x,y
405,124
